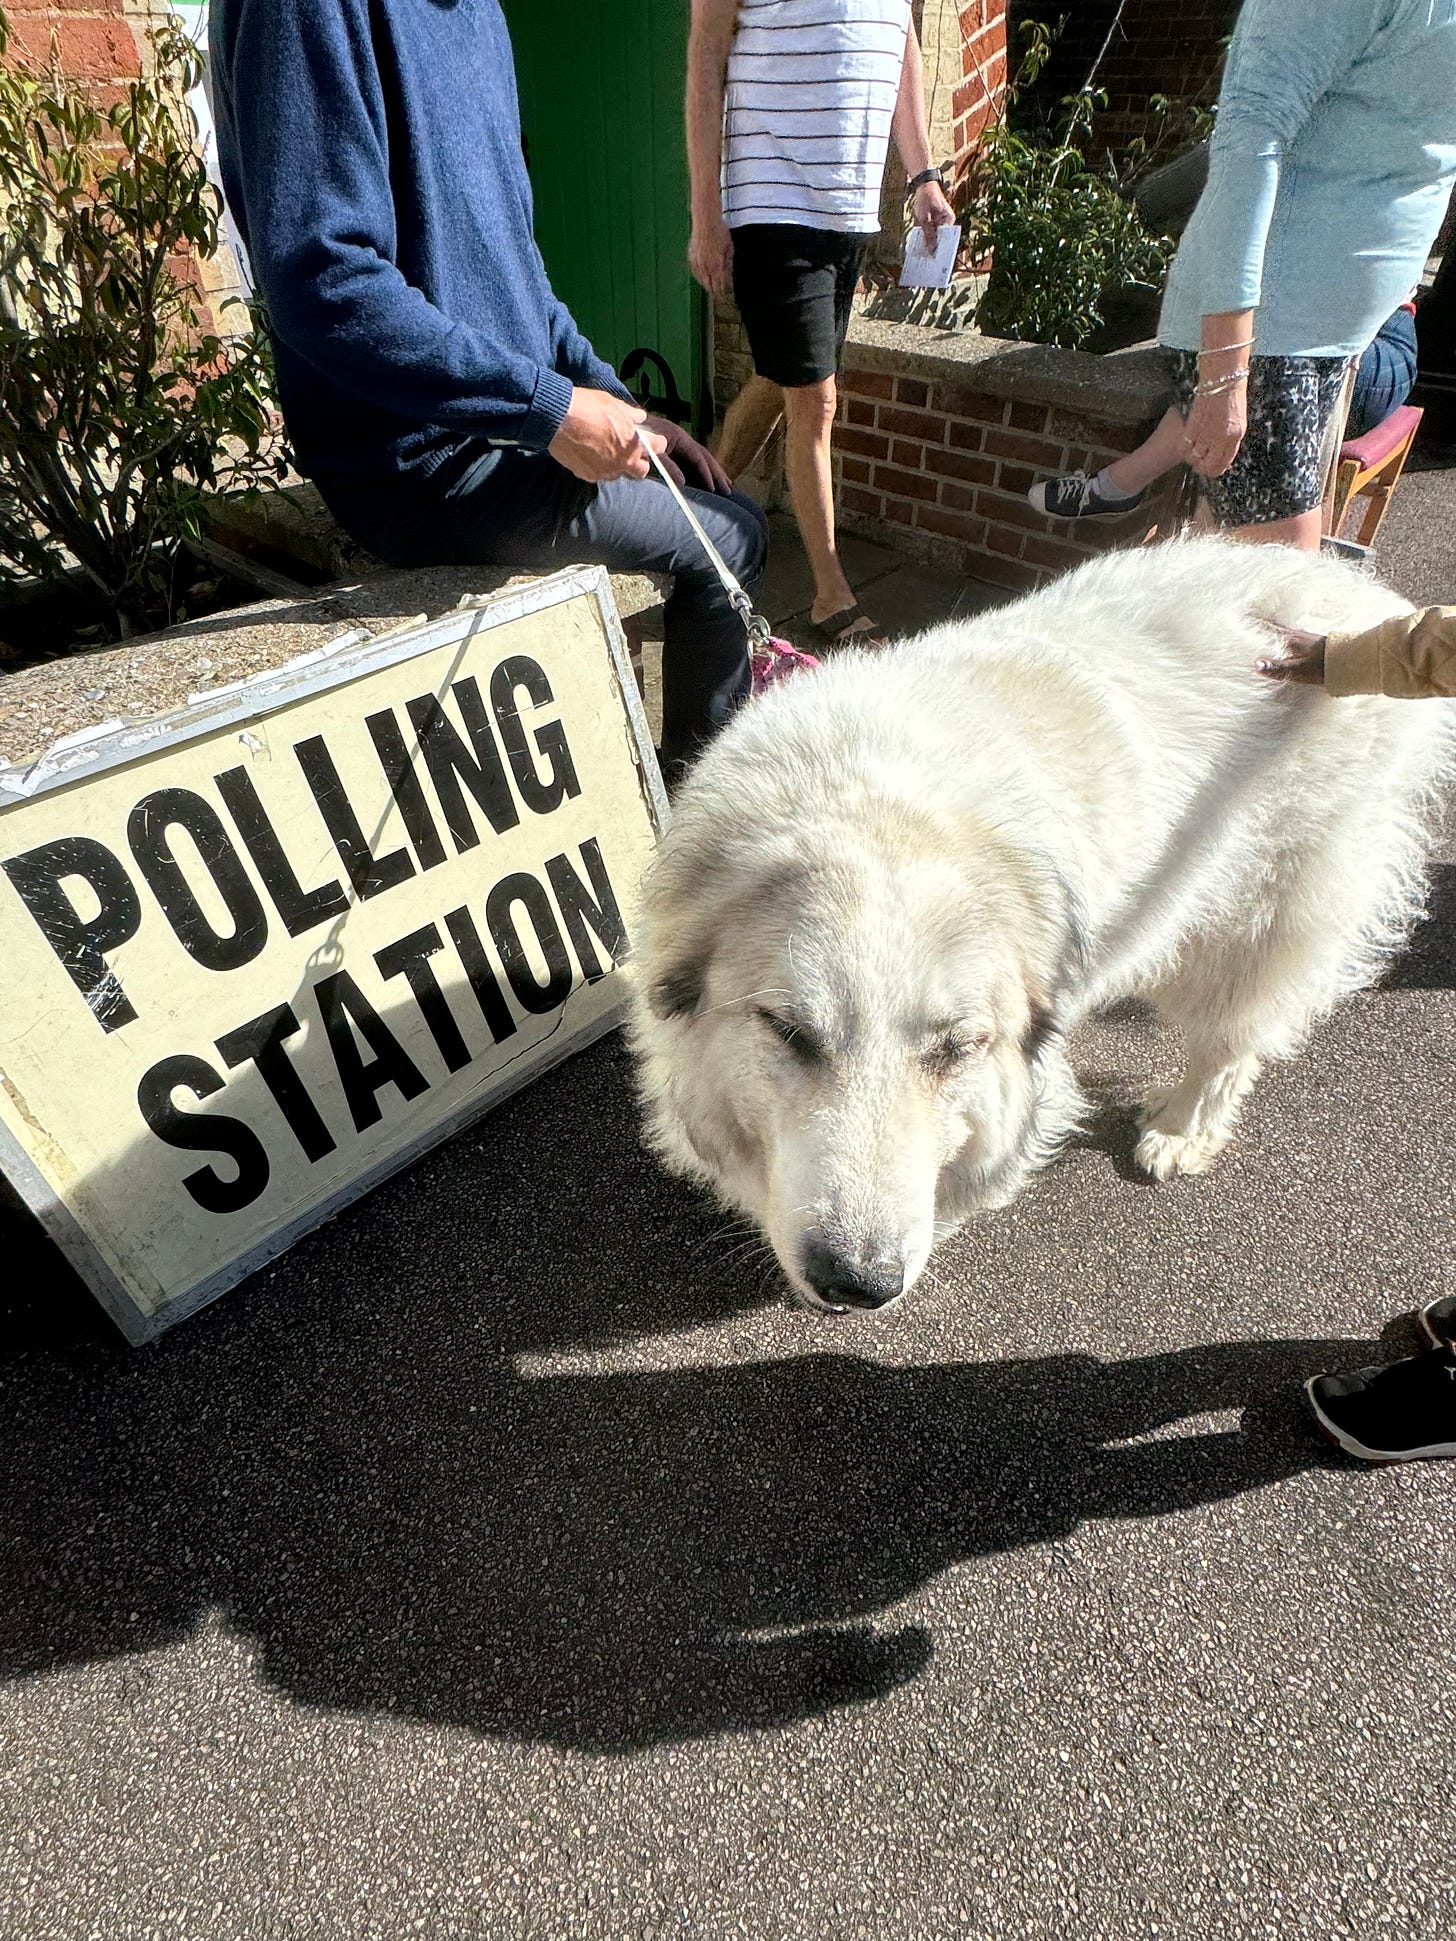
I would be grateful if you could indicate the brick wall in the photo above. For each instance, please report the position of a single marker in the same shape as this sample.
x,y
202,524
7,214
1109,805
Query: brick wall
x,y
981,91
1156,48
105,44
939,467
92,39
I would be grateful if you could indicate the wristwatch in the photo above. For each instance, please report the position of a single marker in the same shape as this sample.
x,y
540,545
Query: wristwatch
x,y
925,175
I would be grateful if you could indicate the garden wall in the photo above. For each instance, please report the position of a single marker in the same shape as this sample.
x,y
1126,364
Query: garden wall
x,y
940,435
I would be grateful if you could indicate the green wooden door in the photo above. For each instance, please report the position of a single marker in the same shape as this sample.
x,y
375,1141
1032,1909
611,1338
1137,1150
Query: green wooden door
x,y
601,86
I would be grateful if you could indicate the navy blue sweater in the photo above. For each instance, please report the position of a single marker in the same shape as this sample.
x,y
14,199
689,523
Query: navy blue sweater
x,y
371,156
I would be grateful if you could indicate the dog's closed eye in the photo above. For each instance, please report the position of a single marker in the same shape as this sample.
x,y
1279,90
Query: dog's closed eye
x,y
806,1047
948,1048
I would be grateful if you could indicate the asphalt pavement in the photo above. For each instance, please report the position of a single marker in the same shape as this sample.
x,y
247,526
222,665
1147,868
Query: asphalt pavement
x,y
510,1560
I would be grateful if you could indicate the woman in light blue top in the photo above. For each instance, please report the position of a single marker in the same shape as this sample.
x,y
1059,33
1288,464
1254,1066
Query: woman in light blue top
x,y
1330,169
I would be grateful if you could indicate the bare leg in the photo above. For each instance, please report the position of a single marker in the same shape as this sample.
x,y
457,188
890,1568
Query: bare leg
x,y
1159,452
809,409
751,421
1302,530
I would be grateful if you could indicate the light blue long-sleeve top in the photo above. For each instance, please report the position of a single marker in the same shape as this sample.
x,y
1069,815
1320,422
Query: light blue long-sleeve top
x,y
1329,172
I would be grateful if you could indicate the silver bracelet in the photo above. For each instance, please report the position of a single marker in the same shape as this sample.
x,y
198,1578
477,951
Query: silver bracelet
x,y
1214,386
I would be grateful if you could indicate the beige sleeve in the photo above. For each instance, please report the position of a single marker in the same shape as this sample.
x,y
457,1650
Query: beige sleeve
x,y
1410,658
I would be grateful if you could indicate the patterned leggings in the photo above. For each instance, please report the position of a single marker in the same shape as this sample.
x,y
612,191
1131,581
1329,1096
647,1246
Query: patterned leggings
x,y
1277,473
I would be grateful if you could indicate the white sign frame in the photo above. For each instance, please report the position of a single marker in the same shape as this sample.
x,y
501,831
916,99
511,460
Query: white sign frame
x,y
116,745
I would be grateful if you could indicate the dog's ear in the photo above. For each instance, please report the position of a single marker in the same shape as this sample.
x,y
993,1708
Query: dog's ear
x,y
1061,972
1041,1028
678,992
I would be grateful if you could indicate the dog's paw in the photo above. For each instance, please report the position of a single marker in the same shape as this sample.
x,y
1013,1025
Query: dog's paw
x,y
1167,1154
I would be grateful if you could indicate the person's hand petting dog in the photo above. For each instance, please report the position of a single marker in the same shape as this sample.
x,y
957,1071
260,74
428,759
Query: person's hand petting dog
x,y
1300,657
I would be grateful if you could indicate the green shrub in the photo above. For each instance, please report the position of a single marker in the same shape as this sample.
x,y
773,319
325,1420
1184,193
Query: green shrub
x,y
1058,234
119,406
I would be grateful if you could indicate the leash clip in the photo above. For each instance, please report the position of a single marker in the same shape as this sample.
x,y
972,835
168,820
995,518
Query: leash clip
x,y
757,628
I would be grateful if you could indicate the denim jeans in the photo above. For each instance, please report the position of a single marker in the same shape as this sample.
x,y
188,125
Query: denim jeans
x,y
1386,375
523,510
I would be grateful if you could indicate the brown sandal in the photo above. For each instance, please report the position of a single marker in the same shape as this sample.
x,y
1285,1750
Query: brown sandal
x,y
840,630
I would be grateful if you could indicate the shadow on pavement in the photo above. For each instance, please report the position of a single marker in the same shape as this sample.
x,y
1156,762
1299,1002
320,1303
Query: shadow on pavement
x,y
1429,961
353,1462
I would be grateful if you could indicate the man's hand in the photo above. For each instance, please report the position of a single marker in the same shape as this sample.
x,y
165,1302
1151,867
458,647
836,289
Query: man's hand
x,y
710,255
1301,657
689,462
930,210
1215,430
598,438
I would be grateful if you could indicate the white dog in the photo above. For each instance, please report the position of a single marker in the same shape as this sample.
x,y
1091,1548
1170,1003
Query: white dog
x,y
892,888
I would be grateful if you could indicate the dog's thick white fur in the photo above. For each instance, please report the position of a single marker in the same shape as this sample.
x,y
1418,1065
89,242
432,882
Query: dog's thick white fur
x,y
892,888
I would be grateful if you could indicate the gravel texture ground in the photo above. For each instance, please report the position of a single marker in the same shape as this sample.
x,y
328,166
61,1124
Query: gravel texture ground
x,y
511,1561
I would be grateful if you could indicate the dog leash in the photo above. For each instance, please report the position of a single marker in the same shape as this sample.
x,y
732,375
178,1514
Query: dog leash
x,y
770,659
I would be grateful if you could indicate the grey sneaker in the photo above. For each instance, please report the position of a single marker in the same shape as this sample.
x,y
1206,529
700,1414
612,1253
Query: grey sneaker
x,y
1075,495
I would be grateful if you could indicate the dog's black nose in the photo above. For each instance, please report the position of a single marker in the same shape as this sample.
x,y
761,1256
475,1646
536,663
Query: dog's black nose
x,y
846,1282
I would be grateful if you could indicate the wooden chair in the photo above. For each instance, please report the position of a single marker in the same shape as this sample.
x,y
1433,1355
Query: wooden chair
x,y
1369,467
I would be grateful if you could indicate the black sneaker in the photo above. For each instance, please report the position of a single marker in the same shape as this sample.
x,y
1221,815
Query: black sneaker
x,y
1075,495
1398,1413
1438,1322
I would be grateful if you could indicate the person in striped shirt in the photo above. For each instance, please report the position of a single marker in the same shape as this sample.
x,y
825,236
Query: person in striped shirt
x,y
791,106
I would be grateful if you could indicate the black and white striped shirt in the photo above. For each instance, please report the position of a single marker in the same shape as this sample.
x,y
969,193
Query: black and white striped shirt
x,y
811,93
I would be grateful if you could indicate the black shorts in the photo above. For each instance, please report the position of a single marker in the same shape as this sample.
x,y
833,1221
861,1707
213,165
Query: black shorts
x,y
794,287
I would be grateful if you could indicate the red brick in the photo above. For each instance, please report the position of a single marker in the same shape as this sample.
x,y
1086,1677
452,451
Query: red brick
x,y
909,390
965,401
999,540
952,525
1016,478
1060,554
1032,451
958,498
1006,511
869,444
90,50
913,424
984,71
962,465
970,128
900,512
855,470
965,438
858,411
908,452
103,97
907,485
1027,417
868,384
854,498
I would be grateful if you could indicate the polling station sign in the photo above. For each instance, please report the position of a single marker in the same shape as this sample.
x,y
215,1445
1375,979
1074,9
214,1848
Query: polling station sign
x,y
258,954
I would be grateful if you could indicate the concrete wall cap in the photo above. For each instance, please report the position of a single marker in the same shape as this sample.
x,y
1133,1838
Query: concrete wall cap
x,y
1126,387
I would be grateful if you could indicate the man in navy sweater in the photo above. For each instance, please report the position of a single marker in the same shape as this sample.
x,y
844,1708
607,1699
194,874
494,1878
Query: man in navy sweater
x,y
441,398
